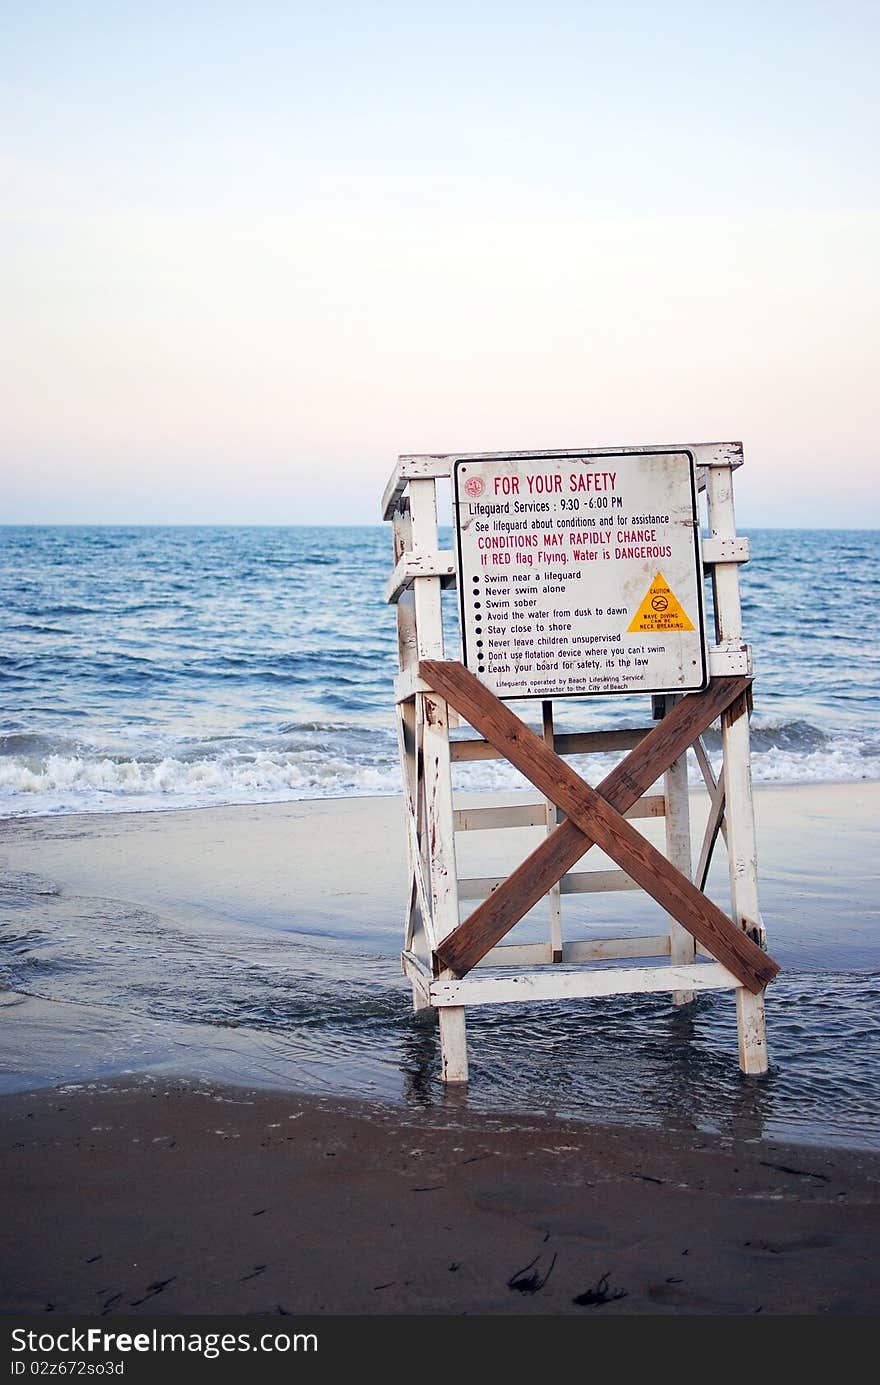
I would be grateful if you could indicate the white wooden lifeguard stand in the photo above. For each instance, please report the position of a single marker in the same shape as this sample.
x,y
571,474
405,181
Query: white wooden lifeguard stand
x,y
454,962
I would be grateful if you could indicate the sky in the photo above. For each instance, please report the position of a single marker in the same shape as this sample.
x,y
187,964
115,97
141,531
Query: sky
x,y
251,253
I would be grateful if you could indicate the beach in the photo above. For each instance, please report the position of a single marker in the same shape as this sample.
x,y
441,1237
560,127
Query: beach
x,y
159,1163
158,1197
439,683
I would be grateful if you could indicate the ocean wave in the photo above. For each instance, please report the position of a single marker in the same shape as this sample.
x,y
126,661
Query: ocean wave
x,y
789,735
31,744
29,628
838,763
42,777
64,609
78,783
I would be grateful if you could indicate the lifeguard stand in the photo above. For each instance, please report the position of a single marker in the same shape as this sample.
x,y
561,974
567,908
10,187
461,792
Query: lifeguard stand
x,y
453,962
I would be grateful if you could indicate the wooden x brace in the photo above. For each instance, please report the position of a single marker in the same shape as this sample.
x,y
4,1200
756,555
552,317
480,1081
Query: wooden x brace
x,y
594,817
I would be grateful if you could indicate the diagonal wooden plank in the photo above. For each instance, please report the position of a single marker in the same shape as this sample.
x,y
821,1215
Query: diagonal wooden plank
x,y
463,948
602,823
714,825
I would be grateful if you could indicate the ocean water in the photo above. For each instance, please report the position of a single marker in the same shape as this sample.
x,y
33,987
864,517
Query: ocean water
x,y
264,985
151,668
169,668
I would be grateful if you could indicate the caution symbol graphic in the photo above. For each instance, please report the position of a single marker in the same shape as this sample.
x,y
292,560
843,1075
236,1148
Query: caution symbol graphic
x,y
660,610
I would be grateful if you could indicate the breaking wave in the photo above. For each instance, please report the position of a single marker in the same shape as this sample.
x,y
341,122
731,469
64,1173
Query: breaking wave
x,y
41,774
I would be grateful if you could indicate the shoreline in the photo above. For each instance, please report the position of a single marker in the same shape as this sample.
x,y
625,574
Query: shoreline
x,y
307,896
198,1199
320,1167
759,788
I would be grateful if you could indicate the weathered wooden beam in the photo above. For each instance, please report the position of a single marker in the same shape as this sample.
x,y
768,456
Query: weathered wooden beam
x,y
416,466
411,565
582,950
532,814
725,551
575,882
551,822
713,827
551,984
616,949
678,851
635,773
564,743
411,469
599,822
730,659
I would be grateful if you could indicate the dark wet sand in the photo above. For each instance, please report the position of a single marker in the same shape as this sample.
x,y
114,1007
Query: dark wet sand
x,y
154,1196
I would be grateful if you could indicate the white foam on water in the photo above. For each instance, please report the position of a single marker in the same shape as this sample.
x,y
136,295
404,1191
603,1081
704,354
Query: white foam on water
x,y
95,782
78,783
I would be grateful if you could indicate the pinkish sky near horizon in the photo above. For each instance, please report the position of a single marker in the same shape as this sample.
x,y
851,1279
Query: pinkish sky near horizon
x,y
250,254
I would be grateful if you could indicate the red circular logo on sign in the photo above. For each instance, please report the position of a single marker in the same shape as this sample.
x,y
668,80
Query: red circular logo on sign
x,y
474,486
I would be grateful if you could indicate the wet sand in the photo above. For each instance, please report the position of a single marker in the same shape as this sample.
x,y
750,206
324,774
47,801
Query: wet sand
x,y
154,1197
174,1192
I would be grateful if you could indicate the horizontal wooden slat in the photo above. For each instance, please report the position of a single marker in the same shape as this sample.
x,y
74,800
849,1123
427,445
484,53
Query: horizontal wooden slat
x,y
705,454
725,550
535,814
726,661
579,882
583,950
565,743
412,565
518,955
553,984
541,954
615,949
596,742
428,465
412,469
408,682
490,819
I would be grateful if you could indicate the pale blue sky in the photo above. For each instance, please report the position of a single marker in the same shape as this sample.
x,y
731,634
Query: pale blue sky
x,y
250,253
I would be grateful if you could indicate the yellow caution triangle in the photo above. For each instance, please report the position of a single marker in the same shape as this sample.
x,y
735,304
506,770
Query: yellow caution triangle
x,y
661,610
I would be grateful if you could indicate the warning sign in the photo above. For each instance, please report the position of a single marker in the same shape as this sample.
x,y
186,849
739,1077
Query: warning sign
x,y
580,573
660,610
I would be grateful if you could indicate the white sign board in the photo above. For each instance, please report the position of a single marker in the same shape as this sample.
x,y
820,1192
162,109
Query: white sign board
x,y
580,574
